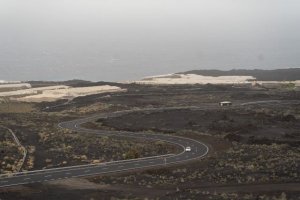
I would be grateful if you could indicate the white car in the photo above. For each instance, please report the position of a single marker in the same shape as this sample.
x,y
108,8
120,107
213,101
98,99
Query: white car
x,y
188,149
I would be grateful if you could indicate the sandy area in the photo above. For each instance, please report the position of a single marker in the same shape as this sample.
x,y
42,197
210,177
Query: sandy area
x,y
16,85
9,82
194,79
66,92
31,90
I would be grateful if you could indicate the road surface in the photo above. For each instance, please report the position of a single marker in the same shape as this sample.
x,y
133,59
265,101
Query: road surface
x,y
198,151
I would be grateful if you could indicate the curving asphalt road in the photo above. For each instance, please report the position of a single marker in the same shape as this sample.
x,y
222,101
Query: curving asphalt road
x,y
198,151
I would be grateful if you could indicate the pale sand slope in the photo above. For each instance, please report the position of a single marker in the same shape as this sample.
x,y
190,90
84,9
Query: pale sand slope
x,y
15,85
9,82
69,93
194,79
32,90
54,93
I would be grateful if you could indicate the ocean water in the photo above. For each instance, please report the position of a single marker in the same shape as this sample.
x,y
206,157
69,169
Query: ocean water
x,y
117,40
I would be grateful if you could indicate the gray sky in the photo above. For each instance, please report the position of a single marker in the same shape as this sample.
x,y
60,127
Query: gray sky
x,y
129,39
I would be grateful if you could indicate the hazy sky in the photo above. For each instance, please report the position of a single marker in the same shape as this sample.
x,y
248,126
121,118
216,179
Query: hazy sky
x,y
129,39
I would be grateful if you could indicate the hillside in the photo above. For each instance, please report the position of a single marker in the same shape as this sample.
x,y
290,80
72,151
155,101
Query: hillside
x,y
290,74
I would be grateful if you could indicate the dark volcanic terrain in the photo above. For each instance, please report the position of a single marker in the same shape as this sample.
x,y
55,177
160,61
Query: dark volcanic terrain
x,y
254,144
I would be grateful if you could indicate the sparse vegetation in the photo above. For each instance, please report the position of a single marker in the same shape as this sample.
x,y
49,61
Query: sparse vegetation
x,y
254,149
10,153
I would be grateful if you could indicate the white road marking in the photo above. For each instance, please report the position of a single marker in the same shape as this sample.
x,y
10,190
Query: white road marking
x,y
68,173
47,176
87,171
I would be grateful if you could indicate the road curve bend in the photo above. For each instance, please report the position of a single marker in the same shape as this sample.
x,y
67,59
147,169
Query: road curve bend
x,y
198,150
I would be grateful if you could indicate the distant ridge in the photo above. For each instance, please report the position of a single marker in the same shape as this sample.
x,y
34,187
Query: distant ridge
x,y
290,74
